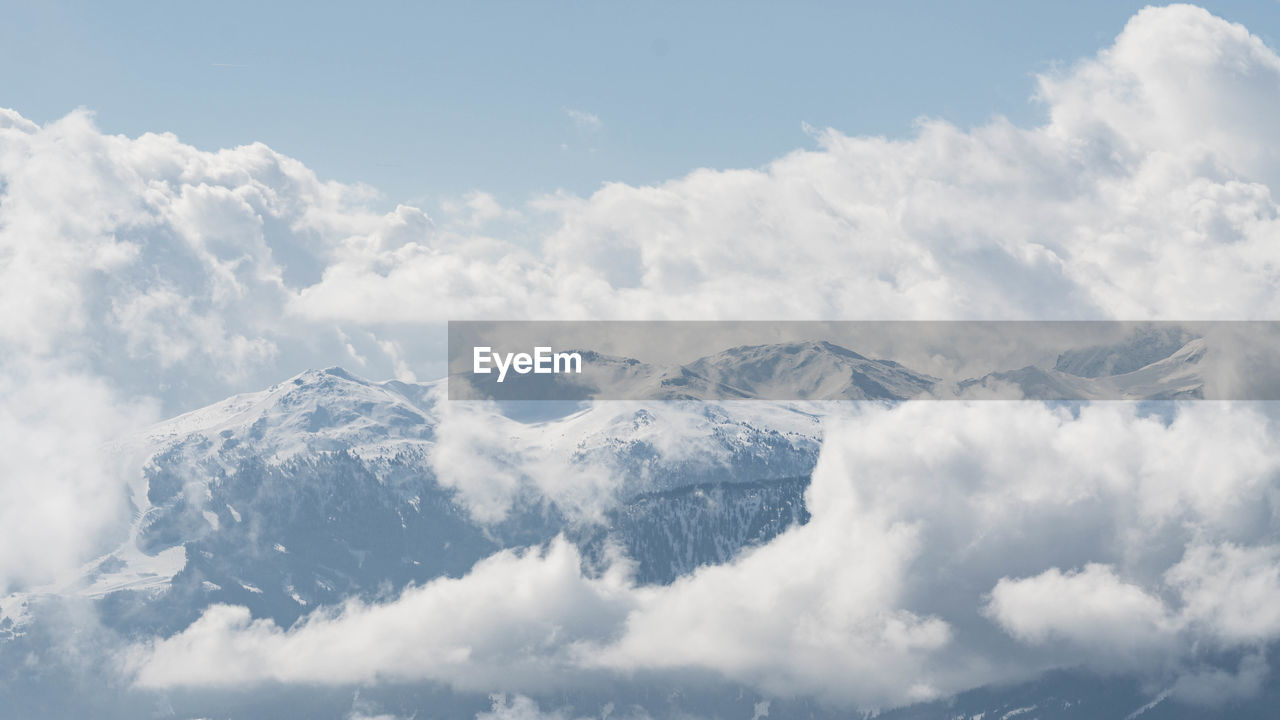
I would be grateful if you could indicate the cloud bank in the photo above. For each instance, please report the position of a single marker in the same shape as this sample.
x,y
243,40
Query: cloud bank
x,y
1146,193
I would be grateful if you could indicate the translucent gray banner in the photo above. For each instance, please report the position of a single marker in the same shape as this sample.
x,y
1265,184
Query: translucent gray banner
x,y
859,361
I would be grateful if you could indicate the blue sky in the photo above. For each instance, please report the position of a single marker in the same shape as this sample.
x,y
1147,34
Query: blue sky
x,y
426,101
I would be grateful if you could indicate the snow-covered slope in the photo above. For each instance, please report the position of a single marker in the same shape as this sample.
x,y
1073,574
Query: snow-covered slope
x,y
315,411
1146,345
1142,369
810,371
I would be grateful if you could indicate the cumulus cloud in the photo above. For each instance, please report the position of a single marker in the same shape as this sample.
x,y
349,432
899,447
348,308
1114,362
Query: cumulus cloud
x,y
494,462
135,274
1013,539
1091,607
516,619
176,272
1147,193
62,495
908,551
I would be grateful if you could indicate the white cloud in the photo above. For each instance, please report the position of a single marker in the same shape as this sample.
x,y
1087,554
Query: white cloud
x,y
136,273
515,620
1147,193
492,462
584,120
63,498
1231,591
1092,608
163,266
880,599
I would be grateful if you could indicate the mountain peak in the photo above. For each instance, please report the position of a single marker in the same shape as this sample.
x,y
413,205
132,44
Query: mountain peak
x,y
314,376
338,371
811,370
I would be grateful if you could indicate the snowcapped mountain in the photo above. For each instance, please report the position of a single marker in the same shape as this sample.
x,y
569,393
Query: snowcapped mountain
x,y
328,487
327,484
315,411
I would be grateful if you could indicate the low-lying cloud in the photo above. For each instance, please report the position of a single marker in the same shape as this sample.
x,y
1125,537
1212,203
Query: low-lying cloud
x,y
1013,539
